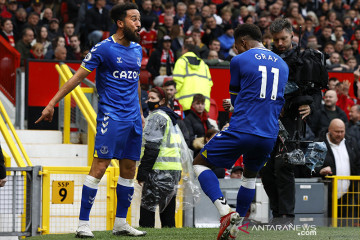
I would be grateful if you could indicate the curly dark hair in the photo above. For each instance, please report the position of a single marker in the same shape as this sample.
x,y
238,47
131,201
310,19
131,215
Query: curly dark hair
x,y
250,30
118,12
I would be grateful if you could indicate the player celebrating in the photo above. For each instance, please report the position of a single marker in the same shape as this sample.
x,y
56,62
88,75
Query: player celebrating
x,y
119,121
258,78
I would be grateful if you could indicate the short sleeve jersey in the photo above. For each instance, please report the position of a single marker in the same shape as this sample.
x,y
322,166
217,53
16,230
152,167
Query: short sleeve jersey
x,y
258,79
117,76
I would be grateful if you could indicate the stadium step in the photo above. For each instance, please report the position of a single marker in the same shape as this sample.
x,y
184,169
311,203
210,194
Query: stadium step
x,y
45,148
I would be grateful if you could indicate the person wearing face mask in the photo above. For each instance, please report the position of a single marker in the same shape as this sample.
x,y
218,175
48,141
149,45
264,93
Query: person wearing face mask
x,y
160,167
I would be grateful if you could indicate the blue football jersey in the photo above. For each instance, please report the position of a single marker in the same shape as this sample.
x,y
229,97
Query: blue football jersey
x,y
258,79
117,76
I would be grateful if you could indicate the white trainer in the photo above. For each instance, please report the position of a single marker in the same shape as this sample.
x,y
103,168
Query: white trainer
x,y
84,231
126,229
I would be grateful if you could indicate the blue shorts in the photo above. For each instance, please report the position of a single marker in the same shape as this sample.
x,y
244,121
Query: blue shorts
x,y
227,146
118,139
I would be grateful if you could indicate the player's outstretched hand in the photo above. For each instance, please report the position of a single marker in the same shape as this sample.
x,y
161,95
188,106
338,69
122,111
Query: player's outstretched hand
x,y
47,114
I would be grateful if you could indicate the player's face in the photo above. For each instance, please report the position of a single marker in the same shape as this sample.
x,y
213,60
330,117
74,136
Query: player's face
x,y
282,40
199,107
240,45
132,25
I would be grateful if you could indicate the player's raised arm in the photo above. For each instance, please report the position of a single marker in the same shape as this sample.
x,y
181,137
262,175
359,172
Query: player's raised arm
x,y
48,112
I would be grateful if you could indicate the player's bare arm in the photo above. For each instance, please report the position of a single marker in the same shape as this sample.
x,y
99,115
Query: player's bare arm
x,y
141,111
74,81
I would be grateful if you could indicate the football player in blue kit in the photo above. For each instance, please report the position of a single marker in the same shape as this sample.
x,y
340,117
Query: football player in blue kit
x,y
117,60
258,78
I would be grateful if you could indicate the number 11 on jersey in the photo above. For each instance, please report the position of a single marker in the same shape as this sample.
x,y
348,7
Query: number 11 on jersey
x,y
263,71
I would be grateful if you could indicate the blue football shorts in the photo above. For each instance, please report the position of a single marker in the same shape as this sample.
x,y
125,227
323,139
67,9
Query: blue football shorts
x,y
118,139
227,146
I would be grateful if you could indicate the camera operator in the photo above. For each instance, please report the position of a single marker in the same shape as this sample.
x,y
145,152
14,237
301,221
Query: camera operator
x,y
278,174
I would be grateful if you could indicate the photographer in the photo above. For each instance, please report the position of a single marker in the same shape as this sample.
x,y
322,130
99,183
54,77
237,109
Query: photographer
x,y
278,174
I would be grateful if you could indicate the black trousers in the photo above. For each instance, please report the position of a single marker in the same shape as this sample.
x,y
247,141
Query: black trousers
x,y
167,217
279,183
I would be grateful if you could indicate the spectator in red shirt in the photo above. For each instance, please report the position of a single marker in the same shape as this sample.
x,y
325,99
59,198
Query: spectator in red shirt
x,y
344,100
148,36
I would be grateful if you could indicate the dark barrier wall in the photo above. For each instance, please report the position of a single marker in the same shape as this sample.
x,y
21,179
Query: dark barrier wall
x,y
43,83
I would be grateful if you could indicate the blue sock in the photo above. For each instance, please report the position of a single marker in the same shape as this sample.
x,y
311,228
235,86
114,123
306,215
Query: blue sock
x,y
210,185
244,199
88,197
124,192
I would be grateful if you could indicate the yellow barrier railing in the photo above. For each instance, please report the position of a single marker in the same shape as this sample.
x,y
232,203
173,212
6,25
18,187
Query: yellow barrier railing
x,y
10,142
346,209
86,109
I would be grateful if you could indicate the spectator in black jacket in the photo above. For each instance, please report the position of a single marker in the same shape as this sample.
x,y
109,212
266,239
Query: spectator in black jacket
x,y
68,31
32,22
97,21
212,31
161,62
7,31
54,30
23,45
147,14
342,159
74,50
197,122
181,18
322,117
73,9
353,126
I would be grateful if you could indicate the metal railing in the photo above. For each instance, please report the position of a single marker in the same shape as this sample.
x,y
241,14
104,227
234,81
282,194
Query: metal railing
x,y
20,202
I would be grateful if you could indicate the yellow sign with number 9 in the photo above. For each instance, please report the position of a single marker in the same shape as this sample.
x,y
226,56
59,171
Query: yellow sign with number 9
x,y
62,192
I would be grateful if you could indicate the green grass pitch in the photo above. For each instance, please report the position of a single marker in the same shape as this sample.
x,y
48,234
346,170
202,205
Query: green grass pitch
x,y
322,233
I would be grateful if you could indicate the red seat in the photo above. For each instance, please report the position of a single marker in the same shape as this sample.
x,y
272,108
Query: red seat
x,y
168,78
144,62
64,12
213,111
144,77
105,35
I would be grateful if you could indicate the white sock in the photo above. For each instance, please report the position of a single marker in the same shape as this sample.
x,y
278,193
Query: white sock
x,y
82,223
222,206
91,182
119,221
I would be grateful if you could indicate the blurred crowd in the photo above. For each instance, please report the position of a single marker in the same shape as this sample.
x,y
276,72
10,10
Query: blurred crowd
x,y
66,30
